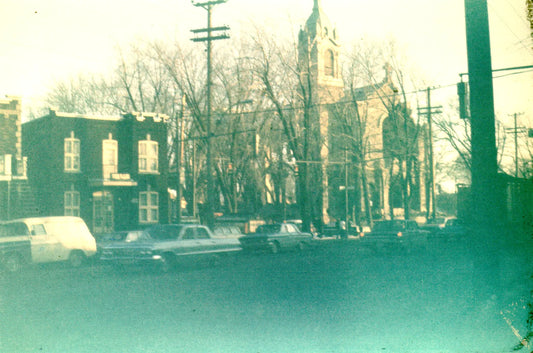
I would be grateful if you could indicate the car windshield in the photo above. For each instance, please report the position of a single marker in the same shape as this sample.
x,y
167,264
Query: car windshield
x,y
164,232
118,236
268,229
137,235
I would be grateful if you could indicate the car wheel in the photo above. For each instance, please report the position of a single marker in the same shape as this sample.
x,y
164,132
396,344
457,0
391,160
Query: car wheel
x,y
76,258
13,263
274,247
302,246
168,263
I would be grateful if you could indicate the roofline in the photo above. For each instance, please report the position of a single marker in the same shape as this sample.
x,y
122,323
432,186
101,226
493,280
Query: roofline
x,y
139,116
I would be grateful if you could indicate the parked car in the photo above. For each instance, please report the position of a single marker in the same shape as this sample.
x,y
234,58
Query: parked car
x,y
165,245
126,236
45,239
15,246
454,230
394,234
434,225
276,237
338,230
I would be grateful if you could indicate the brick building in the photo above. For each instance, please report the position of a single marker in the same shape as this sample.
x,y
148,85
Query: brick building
x,y
15,195
111,171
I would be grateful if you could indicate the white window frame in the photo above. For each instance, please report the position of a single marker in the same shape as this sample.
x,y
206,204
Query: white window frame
x,y
72,203
148,207
109,148
72,153
148,156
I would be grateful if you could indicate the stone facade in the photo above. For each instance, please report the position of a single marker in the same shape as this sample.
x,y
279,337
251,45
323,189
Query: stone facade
x,y
319,52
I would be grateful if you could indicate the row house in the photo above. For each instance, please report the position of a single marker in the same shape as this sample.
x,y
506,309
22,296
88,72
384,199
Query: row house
x,y
111,171
15,195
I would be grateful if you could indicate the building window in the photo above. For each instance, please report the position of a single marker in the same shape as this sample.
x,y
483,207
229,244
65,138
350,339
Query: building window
x,y
72,203
148,156
148,207
329,63
72,153
109,157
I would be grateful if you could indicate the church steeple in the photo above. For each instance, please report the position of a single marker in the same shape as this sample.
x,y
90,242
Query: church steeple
x,y
318,23
322,85
319,49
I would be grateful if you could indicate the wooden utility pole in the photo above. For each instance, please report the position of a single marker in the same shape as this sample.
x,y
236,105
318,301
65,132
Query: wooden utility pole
x,y
179,151
428,111
515,130
209,37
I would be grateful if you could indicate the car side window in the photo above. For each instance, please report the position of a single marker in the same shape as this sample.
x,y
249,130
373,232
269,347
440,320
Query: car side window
x,y
38,229
201,233
188,234
15,229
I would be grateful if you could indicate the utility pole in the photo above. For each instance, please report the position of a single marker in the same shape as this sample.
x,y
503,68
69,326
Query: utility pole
x,y
428,111
209,37
179,148
486,196
515,130
346,208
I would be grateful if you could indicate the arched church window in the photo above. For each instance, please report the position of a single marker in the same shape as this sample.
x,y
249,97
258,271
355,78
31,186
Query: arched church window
x,y
329,63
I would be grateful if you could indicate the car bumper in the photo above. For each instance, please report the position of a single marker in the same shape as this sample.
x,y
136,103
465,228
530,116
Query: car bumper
x,y
145,258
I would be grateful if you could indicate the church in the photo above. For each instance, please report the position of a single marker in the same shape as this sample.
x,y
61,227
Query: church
x,y
371,159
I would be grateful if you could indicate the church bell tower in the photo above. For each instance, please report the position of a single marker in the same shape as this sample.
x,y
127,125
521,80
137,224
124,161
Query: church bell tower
x,y
322,86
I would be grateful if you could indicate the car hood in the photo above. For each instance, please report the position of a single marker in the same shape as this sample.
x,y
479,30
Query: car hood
x,y
127,245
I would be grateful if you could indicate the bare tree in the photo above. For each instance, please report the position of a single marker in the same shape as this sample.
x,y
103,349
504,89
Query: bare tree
x,y
400,133
529,5
454,133
288,92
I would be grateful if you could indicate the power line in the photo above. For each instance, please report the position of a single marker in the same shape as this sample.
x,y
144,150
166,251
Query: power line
x,y
408,93
510,29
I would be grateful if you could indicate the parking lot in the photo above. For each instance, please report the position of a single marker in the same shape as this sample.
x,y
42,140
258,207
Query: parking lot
x,y
331,298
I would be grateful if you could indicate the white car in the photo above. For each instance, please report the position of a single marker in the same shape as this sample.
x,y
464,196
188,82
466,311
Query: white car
x,y
46,239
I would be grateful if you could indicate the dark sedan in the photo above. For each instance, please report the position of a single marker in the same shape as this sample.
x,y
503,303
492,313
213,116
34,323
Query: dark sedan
x,y
398,233
276,237
166,244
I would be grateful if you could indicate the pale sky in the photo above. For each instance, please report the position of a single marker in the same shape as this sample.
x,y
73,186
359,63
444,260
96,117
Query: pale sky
x,y
47,40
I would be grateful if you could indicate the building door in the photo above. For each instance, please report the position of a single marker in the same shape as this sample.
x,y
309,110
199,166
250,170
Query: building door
x,y
103,212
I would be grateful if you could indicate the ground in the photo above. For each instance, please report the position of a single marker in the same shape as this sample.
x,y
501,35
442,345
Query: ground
x,y
334,298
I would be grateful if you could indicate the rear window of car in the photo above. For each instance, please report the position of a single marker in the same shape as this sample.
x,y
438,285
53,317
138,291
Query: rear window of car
x,y
14,229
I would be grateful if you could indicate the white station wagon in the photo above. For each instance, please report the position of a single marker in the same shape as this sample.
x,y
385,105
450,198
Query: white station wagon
x,y
45,239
